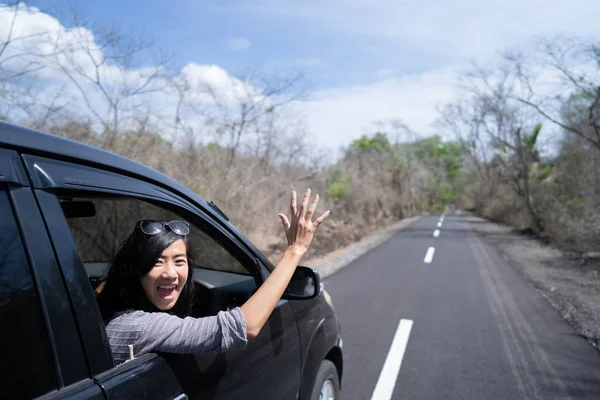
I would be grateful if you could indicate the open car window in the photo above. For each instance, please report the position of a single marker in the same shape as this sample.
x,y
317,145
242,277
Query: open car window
x,y
99,225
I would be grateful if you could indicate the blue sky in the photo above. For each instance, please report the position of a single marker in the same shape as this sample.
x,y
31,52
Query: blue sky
x,y
364,60
203,32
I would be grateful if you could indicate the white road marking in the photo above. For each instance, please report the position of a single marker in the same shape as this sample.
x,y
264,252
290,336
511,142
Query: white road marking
x,y
436,233
429,255
389,373
439,225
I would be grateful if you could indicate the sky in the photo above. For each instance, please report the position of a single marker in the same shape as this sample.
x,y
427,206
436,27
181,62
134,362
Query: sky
x,y
363,60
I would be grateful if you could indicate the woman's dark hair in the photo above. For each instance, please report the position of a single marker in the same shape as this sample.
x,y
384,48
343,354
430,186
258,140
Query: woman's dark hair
x,y
137,255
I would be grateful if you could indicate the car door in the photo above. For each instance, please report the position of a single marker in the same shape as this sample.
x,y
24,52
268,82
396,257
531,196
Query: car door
x,y
40,349
270,367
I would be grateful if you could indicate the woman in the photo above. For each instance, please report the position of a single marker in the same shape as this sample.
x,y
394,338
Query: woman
x,y
148,292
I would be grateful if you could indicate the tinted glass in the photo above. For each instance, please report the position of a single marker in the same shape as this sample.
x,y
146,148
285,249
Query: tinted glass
x,y
100,229
26,367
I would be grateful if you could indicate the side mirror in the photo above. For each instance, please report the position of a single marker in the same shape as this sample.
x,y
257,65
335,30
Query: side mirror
x,y
305,284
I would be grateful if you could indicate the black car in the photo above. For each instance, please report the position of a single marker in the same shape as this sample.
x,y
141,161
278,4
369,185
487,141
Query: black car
x,y
64,209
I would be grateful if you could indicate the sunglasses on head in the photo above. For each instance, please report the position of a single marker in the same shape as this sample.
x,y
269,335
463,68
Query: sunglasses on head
x,y
152,227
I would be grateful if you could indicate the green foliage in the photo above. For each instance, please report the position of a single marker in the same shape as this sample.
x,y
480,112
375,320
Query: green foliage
x,y
531,140
530,143
444,160
542,172
452,158
435,154
436,208
573,203
378,143
338,190
582,95
213,146
446,192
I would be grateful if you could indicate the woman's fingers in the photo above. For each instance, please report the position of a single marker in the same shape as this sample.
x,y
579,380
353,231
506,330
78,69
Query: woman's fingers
x,y
293,204
285,221
304,204
321,219
313,207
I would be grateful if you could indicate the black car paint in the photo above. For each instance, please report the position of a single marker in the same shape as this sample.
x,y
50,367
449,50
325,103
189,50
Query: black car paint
x,y
48,279
299,334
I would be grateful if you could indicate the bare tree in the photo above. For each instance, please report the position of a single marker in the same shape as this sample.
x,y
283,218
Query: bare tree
x,y
17,59
107,78
21,60
575,104
499,136
247,105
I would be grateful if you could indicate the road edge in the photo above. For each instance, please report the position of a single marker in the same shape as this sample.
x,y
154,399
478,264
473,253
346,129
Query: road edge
x,y
330,263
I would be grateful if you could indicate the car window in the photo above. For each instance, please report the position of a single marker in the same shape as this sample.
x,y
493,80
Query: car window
x,y
26,367
100,225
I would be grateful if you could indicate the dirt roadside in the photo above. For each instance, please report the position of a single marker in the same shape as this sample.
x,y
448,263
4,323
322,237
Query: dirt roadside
x,y
571,285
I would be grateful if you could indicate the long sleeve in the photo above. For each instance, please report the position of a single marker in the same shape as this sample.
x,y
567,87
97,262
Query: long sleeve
x,y
162,332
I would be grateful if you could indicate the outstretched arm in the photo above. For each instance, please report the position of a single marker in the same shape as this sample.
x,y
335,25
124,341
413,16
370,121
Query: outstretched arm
x,y
299,234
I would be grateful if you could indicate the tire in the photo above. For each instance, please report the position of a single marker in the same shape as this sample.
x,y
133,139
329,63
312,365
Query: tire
x,y
326,373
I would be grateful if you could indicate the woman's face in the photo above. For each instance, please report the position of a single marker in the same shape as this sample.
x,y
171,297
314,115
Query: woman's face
x,y
164,282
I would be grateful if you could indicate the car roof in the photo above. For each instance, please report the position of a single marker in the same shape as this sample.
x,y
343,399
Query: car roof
x,y
48,145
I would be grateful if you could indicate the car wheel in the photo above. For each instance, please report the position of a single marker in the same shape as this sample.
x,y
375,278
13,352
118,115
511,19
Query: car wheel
x,y
327,384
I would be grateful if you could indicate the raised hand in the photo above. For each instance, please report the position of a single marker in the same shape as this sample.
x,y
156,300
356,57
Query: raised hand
x,y
299,231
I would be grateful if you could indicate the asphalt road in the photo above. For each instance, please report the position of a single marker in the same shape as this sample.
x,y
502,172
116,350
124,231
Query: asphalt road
x,y
479,330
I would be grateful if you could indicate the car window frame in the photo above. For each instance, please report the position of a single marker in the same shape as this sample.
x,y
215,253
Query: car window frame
x,y
50,174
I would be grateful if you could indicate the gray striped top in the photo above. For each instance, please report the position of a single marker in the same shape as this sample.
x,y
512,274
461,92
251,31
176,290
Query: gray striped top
x,y
162,332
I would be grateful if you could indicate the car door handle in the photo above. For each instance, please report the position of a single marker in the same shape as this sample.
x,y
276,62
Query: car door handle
x,y
181,396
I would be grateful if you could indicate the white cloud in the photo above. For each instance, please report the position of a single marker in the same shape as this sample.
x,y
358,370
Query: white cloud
x,y
338,116
64,74
228,89
239,44
39,38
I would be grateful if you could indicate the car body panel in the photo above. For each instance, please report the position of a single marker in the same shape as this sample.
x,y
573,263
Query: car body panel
x,y
146,377
319,334
11,169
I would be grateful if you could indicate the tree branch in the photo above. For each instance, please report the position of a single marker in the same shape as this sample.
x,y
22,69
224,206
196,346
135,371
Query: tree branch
x,y
555,121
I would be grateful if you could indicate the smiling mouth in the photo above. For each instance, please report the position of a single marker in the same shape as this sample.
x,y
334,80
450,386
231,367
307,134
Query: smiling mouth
x,y
167,292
